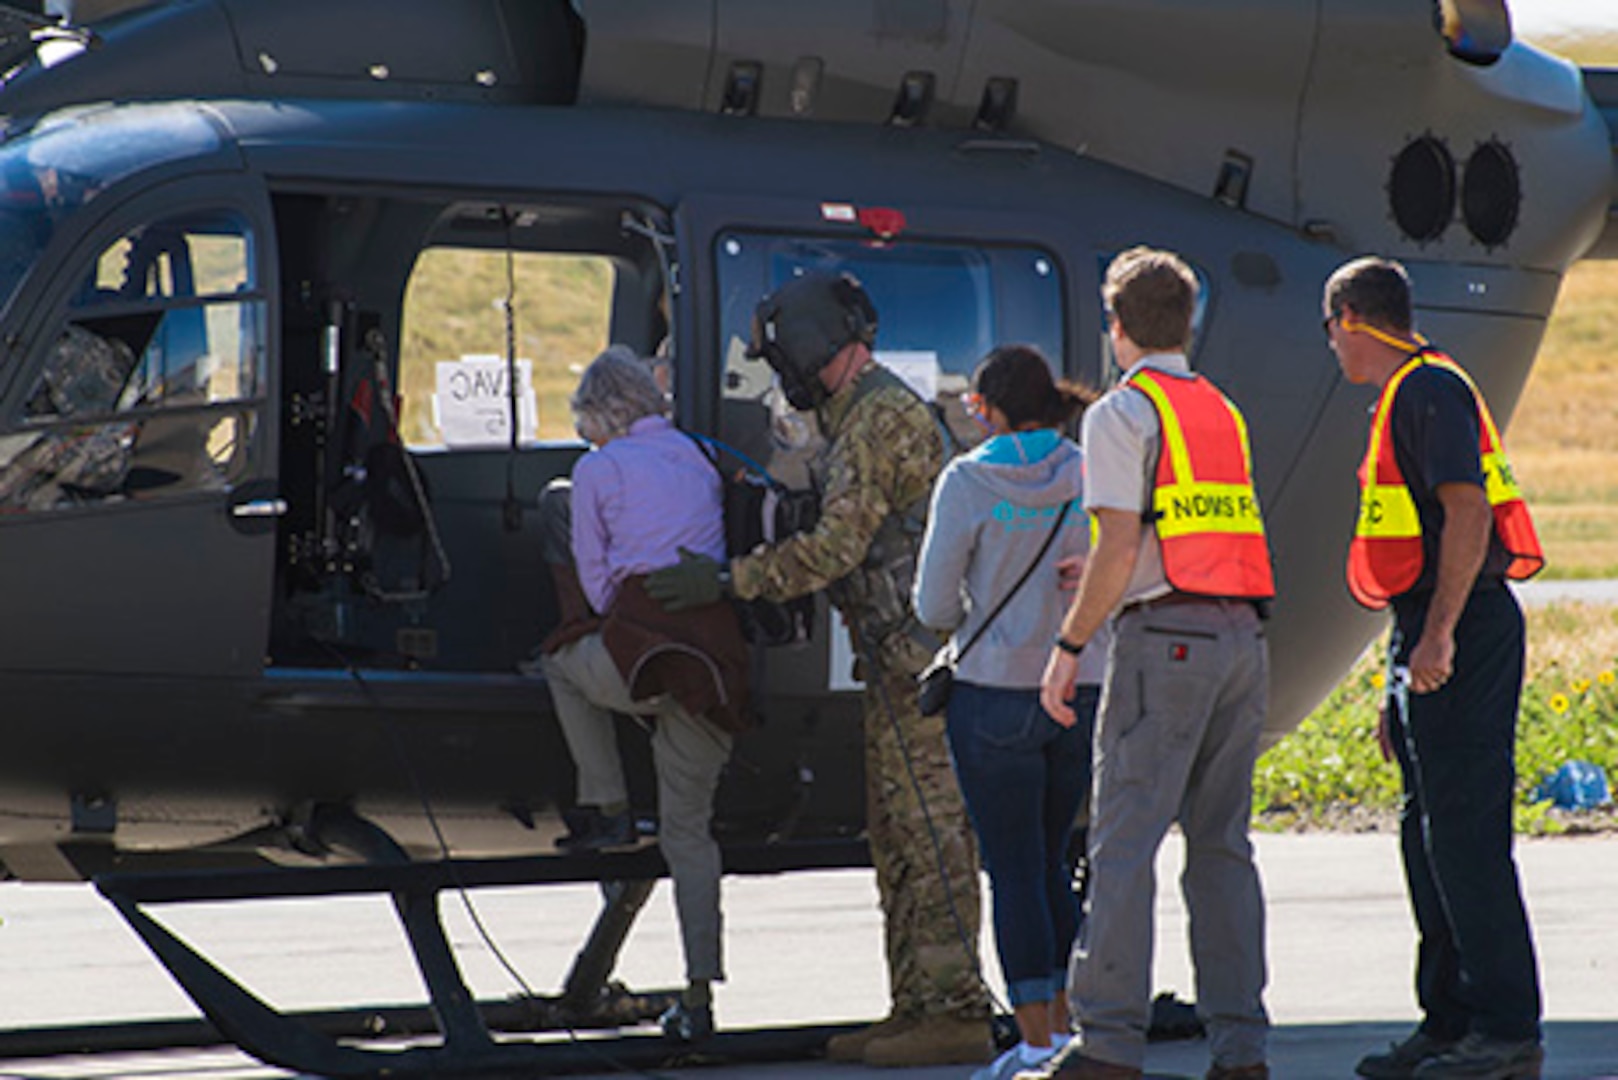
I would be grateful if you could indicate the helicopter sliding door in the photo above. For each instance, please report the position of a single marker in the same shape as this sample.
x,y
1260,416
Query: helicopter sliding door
x,y
136,483
942,304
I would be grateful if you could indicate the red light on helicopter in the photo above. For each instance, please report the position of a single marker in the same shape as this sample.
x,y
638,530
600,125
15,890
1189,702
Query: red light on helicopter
x,y
884,221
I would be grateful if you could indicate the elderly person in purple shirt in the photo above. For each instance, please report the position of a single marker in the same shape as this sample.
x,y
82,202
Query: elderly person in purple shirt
x,y
643,493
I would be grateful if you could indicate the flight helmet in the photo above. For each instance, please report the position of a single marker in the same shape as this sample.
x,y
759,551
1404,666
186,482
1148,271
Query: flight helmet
x,y
799,328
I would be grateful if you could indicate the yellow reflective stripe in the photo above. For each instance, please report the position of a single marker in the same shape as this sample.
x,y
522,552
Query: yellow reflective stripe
x,y
1241,434
1387,512
1173,434
1206,508
1498,478
1499,481
1379,421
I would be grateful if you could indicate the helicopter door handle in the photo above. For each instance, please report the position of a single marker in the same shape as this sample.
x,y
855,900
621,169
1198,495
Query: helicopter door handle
x,y
255,508
259,508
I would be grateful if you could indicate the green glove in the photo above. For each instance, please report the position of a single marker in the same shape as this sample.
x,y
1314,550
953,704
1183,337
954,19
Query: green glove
x,y
692,582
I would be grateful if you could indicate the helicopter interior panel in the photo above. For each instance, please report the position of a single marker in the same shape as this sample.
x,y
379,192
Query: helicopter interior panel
x,y
399,462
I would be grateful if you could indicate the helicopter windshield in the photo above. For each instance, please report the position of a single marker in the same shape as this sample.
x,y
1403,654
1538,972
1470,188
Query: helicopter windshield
x,y
52,170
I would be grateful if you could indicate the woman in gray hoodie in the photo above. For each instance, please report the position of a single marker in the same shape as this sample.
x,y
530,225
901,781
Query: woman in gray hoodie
x,y
1024,776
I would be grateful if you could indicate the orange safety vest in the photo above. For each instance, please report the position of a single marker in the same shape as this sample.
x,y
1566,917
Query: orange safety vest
x,y
1385,558
1203,505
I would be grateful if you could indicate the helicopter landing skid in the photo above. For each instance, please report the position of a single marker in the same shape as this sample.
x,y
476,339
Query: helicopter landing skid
x,y
464,1046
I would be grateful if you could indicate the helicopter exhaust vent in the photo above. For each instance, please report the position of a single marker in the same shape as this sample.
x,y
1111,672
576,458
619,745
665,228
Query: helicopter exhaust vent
x,y
1421,189
914,99
1491,194
742,87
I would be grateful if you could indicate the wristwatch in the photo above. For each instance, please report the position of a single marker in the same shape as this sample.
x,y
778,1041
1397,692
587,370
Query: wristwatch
x,y
1071,648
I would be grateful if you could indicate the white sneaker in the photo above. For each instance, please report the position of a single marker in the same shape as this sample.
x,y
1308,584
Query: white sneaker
x,y
1012,1062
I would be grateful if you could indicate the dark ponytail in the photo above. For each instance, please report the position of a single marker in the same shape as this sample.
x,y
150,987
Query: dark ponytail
x,y
1016,379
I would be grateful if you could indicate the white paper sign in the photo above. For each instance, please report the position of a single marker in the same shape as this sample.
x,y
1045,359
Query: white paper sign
x,y
473,406
917,367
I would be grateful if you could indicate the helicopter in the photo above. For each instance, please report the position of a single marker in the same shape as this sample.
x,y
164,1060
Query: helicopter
x,y
267,530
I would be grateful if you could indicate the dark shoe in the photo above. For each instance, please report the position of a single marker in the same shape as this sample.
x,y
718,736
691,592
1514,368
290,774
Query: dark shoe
x,y
1478,1057
592,830
1173,1019
1071,1064
1402,1058
1259,1071
687,1023
850,1045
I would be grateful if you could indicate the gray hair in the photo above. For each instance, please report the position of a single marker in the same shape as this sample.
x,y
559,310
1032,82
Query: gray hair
x,y
617,389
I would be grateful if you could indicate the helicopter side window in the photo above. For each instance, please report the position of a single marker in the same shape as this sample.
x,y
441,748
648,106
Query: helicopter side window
x,y
453,360
150,387
942,307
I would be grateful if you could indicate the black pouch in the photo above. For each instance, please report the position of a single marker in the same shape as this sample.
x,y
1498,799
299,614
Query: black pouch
x,y
934,686
761,510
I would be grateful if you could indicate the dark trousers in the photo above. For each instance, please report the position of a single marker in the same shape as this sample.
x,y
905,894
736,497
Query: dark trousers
x,y
1475,965
1024,778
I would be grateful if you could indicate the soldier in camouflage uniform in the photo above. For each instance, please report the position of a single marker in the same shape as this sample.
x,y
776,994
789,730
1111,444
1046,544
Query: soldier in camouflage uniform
x,y
884,449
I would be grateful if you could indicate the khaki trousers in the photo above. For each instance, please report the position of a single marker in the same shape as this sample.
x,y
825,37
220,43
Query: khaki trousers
x,y
1183,705
688,754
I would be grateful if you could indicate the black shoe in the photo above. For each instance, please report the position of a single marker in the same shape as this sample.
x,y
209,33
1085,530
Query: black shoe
x,y
687,1023
1478,1057
1403,1058
592,830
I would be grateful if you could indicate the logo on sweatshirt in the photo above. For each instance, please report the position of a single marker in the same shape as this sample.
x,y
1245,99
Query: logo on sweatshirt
x,y
1016,518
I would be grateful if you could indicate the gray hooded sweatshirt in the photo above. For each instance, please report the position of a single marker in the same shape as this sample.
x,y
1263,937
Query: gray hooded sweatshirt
x,y
991,511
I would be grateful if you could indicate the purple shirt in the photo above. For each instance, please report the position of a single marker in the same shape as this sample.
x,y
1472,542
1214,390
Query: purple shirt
x,y
636,501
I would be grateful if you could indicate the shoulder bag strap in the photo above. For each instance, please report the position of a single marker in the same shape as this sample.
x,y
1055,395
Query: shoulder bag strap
x,y
1050,538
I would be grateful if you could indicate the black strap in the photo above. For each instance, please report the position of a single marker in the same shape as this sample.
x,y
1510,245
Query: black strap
x,y
1026,574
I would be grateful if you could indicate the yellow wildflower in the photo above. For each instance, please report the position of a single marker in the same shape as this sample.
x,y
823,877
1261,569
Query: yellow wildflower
x,y
1606,678
1378,680
1580,685
1559,703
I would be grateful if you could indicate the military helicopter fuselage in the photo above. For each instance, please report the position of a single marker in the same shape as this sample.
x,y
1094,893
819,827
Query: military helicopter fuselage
x,y
236,591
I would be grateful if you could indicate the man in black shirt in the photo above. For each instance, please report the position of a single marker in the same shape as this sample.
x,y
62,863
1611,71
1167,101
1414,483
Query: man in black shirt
x,y
1441,527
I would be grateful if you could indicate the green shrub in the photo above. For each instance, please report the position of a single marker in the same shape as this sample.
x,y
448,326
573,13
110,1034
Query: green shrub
x,y
1330,772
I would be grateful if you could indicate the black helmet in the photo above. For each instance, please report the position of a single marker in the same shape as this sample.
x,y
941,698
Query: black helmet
x,y
799,328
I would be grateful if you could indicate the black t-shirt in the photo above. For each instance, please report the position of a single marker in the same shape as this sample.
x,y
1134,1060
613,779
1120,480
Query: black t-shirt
x,y
1435,441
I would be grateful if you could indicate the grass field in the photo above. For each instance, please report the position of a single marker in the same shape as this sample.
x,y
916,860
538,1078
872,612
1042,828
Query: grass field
x,y
1563,437
1330,773
455,306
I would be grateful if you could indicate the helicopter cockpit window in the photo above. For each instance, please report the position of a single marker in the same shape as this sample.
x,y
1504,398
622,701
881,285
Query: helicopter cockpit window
x,y
453,361
48,173
941,308
151,385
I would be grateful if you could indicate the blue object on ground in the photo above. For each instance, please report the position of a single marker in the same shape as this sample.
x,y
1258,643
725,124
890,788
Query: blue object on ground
x,y
1577,785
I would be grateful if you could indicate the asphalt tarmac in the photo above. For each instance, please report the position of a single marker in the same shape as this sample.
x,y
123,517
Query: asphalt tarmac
x,y
805,949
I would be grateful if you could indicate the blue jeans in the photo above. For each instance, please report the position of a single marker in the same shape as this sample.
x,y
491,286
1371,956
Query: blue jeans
x,y
1024,778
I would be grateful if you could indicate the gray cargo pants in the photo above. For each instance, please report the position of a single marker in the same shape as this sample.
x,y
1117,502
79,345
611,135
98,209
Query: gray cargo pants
x,y
688,753
1184,702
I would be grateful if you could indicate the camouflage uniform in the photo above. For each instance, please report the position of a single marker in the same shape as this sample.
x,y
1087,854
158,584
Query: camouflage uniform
x,y
883,453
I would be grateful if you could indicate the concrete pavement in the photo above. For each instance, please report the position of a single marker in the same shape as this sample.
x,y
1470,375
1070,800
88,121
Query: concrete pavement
x,y
806,948
1537,593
